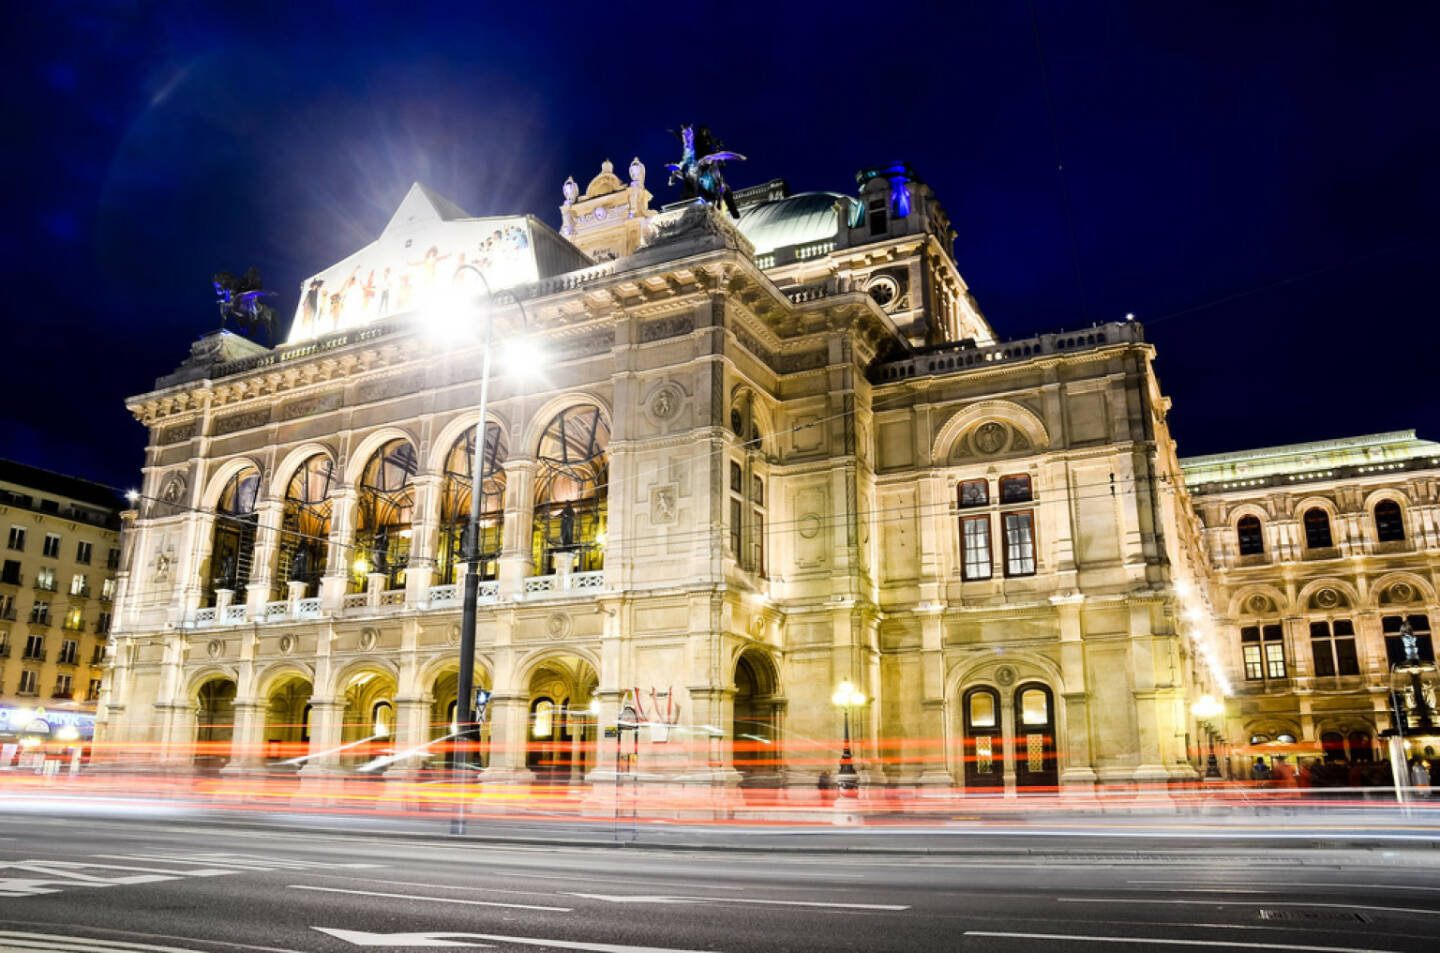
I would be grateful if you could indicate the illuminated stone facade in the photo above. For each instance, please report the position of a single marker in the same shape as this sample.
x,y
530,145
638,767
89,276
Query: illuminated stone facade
x,y
58,563
760,458
1319,552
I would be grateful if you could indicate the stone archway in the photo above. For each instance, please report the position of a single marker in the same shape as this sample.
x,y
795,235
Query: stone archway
x,y
442,725
755,728
214,723
367,726
560,732
287,718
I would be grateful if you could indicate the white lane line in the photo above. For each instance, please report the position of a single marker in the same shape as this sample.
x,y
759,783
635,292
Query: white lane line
x,y
1166,941
407,896
590,880
202,872
1253,903
1291,883
435,886
393,941
631,898
51,941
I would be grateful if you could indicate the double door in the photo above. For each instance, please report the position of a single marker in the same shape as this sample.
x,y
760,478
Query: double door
x,y
1031,729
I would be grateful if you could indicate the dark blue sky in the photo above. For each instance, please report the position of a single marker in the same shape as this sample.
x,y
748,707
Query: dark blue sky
x,y
1256,182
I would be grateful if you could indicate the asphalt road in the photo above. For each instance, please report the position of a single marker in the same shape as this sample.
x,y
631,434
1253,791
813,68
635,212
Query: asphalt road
x,y
141,886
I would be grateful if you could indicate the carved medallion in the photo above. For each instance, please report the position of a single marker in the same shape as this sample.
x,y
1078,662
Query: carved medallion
x,y
558,625
665,403
809,526
452,635
1005,675
287,644
215,648
368,638
990,437
1327,598
1258,604
1402,592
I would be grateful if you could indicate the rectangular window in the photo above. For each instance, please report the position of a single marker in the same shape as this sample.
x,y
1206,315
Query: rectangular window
x,y
69,652
79,585
737,479
1015,489
879,217
1321,649
759,556
93,692
10,572
107,590
35,647
7,608
52,546
737,510
97,657
28,680
40,613
45,578
1250,648
757,490
75,619
112,560
1347,660
17,537
1395,642
1274,651
975,537
974,493
1019,544
82,553
102,624
62,686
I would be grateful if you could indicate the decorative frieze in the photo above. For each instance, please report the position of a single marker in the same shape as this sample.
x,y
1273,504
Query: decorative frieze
x,y
309,406
241,421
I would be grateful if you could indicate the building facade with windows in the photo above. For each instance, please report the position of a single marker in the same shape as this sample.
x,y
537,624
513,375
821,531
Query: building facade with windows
x,y
58,570
761,457
1320,554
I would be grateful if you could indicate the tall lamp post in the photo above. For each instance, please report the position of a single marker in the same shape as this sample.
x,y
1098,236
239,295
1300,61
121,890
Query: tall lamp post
x,y
465,687
1207,708
847,697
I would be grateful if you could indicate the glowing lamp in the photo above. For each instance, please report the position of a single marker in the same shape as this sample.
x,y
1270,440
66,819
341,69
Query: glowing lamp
x,y
1206,707
846,696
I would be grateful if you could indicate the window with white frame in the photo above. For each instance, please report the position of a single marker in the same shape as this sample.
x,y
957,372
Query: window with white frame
x,y
1263,648
79,585
40,613
17,537
52,546
107,590
82,552
29,678
62,686
1015,525
45,578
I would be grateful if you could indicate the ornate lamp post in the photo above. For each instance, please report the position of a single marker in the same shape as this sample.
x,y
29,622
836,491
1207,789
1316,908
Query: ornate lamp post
x,y
1207,708
847,697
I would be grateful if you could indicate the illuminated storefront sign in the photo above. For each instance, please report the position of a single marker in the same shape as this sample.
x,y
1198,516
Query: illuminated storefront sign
x,y
39,721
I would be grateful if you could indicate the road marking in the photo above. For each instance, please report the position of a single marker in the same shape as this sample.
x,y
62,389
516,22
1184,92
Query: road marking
x,y
435,886
639,898
1166,941
76,944
407,896
361,938
245,861
664,883
1253,903
1290,883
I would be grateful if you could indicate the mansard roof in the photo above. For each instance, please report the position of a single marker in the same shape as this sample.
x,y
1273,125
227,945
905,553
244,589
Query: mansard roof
x,y
795,220
1371,450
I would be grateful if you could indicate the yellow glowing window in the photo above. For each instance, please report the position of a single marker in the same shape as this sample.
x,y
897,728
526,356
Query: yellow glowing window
x,y
982,710
1034,707
984,754
544,719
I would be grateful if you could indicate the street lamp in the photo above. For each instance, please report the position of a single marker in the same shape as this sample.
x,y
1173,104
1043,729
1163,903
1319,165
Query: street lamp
x,y
1206,708
847,697
466,702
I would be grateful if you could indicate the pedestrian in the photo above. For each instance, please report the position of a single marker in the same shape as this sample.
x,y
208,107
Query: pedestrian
x,y
826,784
1283,774
1260,771
1420,777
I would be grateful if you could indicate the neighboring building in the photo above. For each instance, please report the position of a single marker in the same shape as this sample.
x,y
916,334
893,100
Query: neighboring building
x,y
1320,553
760,459
57,588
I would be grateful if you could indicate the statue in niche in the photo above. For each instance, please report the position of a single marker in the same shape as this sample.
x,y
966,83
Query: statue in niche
x,y
380,551
567,527
300,564
239,298
1410,643
701,169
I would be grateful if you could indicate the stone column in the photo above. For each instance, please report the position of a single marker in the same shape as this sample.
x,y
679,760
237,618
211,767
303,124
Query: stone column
x,y
412,722
934,727
1078,775
247,754
326,715
509,719
338,553
422,570
264,556
516,559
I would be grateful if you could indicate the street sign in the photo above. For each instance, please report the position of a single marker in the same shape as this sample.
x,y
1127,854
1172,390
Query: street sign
x,y
628,719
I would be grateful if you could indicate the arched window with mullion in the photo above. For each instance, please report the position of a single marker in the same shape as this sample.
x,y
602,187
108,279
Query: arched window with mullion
x,y
571,490
305,525
455,503
1250,535
385,516
1389,522
1317,529
232,547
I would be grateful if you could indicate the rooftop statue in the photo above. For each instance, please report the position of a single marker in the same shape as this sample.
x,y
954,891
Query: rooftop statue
x,y
701,169
239,298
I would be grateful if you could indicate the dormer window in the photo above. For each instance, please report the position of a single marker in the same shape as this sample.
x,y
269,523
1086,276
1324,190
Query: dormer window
x,y
879,213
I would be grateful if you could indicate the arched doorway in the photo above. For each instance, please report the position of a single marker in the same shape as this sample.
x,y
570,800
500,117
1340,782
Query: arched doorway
x,y
1035,761
443,722
214,723
305,526
455,503
368,723
984,745
287,718
755,729
560,742
232,545
384,516
571,490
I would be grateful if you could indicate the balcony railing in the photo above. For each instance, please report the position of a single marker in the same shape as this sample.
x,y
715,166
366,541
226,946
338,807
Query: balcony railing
x,y
4,651
71,659
45,585
7,615
12,579
62,693
37,655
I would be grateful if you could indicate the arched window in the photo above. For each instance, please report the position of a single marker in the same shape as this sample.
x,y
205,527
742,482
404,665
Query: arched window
x,y
1317,529
571,489
1252,538
747,488
386,512
455,503
305,525
542,719
1389,523
232,546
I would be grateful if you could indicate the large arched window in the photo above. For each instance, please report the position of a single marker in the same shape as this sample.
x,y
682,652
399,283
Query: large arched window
x,y
1252,539
1389,523
455,503
305,525
571,487
1317,529
232,546
386,512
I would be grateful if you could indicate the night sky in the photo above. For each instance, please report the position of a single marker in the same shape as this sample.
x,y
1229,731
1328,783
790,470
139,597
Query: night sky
x,y
1257,182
